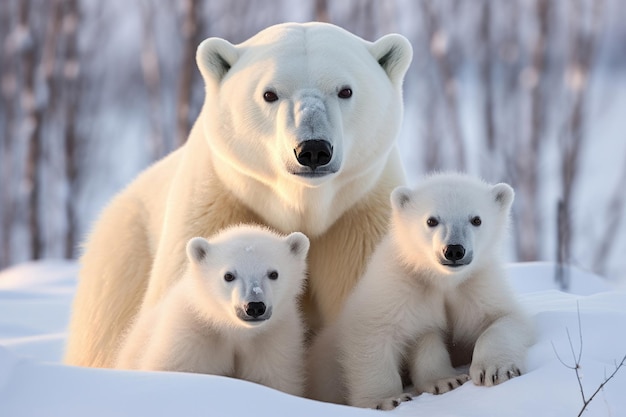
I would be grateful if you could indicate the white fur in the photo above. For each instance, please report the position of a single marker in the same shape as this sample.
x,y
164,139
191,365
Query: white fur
x,y
410,312
306,66
238,166
196,327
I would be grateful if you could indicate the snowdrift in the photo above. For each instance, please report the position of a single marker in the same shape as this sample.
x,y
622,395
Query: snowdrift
x,y
35,301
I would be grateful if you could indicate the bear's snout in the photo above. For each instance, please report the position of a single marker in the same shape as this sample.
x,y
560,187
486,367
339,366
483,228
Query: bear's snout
x,y
455,256
314,153
255,309
454,253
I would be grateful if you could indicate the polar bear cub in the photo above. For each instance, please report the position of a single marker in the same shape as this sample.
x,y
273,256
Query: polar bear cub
x,y
433,297
234,312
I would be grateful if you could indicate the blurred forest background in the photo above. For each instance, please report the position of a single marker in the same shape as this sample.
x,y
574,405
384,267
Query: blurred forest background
x,y
531,92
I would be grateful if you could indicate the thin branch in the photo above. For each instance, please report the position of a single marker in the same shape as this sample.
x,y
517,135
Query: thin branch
x,y
576,367
601,386
580,352
580,332
556,353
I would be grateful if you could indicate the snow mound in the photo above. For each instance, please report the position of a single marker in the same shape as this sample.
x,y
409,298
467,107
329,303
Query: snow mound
x,y
35,302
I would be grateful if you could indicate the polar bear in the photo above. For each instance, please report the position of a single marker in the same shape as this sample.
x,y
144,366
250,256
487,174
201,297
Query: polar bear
x,y
233,313
433,297
297,133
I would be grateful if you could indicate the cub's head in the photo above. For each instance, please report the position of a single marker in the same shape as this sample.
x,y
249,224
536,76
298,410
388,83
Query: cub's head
x,y
299,104
246,274
451,222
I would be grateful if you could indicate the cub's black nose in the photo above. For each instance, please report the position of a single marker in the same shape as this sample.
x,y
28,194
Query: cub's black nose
x,y
314,153
255,309
454,252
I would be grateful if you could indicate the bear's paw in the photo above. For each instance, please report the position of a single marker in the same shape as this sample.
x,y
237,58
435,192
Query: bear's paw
x,y
443,385
392,402
490,374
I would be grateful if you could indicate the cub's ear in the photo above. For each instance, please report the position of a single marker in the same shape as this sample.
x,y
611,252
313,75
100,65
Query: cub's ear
x,y
198,249
503,194
394,54
215,57
400,197
298,244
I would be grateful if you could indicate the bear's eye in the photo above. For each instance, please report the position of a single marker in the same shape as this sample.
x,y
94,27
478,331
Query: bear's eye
x,y
476,221
270,96
273,275
432,222
228,277
345,93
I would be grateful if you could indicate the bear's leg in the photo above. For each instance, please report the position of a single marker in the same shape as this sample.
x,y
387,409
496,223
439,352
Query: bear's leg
x,y
324,375
500,350
431,368
112,281
181,347
134,344
372,373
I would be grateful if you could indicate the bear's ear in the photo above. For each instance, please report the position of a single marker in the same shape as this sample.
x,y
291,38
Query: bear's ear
x,y
503,194
215,56
198,249
298,244
400,197
394,53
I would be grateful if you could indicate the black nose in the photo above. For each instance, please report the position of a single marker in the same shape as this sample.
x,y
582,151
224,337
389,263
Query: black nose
x,y
314,153
255,309
454,252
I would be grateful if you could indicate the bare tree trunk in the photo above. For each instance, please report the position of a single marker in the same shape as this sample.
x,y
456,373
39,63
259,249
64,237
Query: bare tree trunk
x,y
528,157
438,40
192,29
32,127
321,11
511,158
152,79
8,85
615,215
432,153
72,82
487,77
563,231
582,50
363,18
49,56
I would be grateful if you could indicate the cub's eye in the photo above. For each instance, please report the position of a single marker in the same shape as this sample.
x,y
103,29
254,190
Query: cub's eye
x,y
273,275
476,221
432,222
228,277
270,96
345,93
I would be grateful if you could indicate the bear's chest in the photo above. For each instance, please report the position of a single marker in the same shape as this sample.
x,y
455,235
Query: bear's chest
x,y
465,322
238,354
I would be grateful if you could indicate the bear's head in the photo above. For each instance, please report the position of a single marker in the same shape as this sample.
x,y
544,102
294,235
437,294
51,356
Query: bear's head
x,y
451,222
245,275
300,107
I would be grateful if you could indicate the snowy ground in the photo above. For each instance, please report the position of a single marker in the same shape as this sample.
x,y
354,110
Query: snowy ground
x,y
35,302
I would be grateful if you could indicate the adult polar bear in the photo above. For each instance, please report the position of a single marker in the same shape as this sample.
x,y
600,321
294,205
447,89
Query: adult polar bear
x,y
297,133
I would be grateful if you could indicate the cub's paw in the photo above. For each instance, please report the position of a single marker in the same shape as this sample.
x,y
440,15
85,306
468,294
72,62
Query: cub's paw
x,y
443,385
393,402
493,374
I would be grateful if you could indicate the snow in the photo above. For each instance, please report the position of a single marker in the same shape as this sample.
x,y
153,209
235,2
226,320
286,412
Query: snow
x,y
35,303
